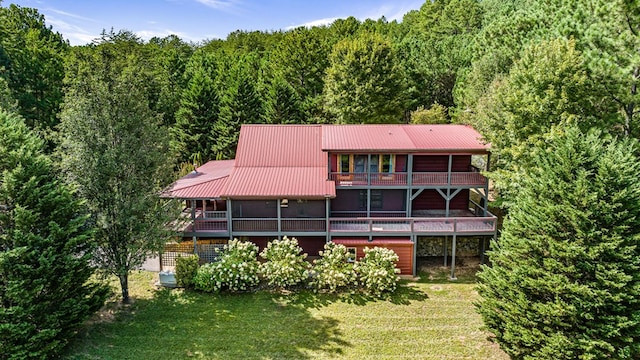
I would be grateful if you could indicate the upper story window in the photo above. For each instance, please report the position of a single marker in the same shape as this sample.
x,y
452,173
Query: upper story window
x,y
356,163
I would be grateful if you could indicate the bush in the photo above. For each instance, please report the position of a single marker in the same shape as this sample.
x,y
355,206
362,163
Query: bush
x,y
235,270
285,264
377,270
333,271
186,269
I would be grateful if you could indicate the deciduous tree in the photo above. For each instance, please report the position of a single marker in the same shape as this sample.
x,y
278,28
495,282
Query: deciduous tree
x,y
116,150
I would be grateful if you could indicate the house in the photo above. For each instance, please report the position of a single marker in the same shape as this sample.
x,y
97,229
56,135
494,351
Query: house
x,y
395,186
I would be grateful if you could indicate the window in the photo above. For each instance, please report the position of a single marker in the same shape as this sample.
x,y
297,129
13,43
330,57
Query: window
x,y
362,200
376,199
360,163
352,251
386,163
345,163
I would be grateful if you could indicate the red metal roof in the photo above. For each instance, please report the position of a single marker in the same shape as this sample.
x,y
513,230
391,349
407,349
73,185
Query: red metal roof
x,y
405,138
280,161
280,146
206,182
280,182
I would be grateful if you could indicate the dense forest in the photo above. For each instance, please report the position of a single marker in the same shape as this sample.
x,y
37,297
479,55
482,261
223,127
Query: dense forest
x,y
530,75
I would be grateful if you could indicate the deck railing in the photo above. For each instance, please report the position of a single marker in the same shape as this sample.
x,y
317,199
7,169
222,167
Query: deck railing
x,y
414,225
400,179
374,225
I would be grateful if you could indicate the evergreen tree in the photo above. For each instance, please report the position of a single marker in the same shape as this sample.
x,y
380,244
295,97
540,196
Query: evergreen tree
x,y
241,104
283,105
45,249
565,276
31,61
199,110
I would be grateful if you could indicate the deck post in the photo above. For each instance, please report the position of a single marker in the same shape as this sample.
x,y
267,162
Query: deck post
x,y
444,248
279,215
327,213
409,170
229,219
453,258
448,199
414,240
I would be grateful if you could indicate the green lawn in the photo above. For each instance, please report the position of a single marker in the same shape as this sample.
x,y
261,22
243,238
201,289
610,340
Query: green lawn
x,y
434,319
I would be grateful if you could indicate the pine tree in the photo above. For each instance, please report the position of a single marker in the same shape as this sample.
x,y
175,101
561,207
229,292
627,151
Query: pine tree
x,y
45,249
283,105
565,275
241,104
199,109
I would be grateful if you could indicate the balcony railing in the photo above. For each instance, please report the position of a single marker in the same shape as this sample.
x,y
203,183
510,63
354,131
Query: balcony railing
x,y
400,179
373,225
458,225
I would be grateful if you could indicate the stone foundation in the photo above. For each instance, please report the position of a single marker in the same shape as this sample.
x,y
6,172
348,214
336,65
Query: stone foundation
x,y
465,245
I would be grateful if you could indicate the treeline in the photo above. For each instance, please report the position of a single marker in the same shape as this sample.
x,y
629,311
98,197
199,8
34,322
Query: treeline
x,y
110,123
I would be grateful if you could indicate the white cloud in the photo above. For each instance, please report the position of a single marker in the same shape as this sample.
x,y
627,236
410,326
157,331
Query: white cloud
x,y
219,4
68,14
74,33
148,34
312,23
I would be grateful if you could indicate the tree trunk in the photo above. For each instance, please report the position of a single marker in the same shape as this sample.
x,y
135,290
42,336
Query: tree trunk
x,y
124,285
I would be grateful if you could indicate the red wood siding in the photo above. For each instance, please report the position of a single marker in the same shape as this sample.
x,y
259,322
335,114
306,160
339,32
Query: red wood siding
x,y
435,163
401,163
403,247
432,200
334,163
312,245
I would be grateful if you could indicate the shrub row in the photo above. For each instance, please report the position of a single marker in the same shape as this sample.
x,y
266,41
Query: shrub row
x,y
238,269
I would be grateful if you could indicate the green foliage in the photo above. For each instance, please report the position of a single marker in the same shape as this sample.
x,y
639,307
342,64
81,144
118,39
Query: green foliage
x,y
285,265
235,270
548,86
436,114
45,249
377,271
333,271
241,104
565,275
283,104
437,48
186,270
116,151
363,82
198,113
31,61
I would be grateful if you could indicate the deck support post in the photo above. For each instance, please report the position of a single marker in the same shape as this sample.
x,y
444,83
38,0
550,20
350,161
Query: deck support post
x,y
453,258
229,219
279,215
482,247
414,240
327,213
193,221
444,249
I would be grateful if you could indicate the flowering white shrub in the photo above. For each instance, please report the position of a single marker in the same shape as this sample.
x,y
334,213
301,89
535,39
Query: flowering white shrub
x,y
333,271
235,270
285,265
377,270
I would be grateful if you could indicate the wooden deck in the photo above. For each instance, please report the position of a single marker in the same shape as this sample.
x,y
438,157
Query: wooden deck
x,y
425,224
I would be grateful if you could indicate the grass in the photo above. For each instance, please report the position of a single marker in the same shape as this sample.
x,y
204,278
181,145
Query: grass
x,y
427,319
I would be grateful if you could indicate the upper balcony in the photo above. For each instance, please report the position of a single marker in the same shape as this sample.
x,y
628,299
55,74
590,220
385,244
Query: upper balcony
x,y
417,179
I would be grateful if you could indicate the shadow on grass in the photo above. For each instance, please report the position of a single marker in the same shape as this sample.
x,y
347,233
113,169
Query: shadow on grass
x,y
185,324
403,295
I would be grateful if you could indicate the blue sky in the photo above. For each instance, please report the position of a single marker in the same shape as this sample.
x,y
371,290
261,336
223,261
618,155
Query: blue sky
x,y
81,21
